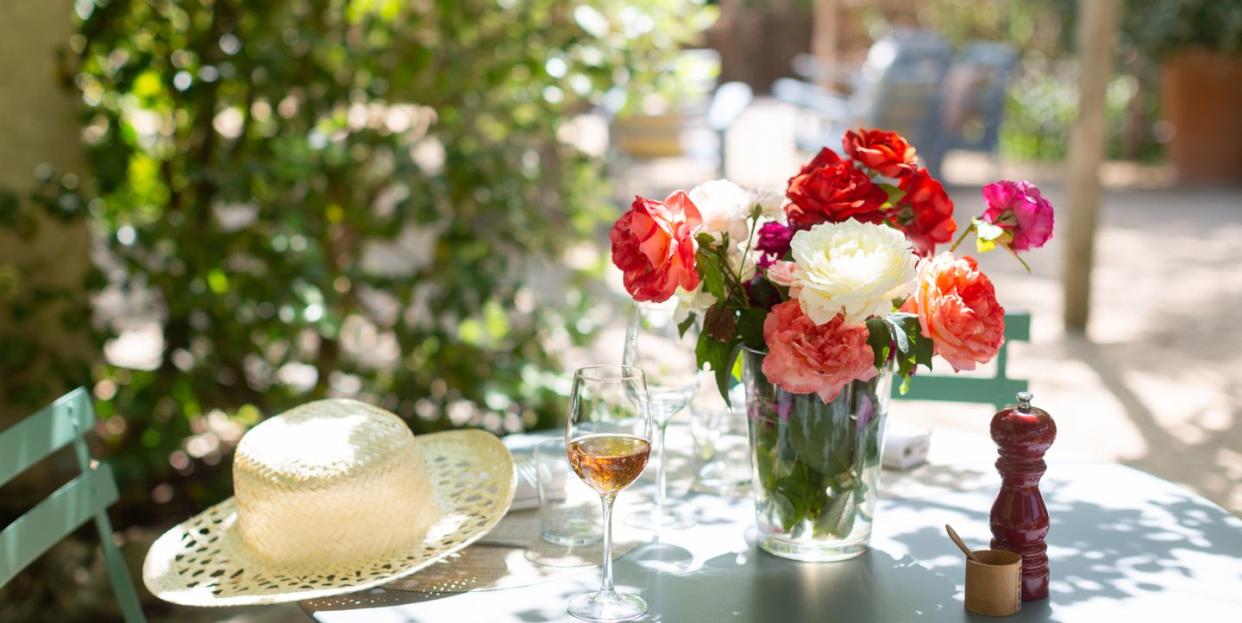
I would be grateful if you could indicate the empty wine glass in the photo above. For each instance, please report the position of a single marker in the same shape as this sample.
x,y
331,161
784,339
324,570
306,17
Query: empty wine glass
x,y
654,343
608,440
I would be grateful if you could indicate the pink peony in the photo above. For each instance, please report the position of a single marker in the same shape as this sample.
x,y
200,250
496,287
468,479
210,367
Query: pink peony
x,y
1020,210
957,309
804,358
653,245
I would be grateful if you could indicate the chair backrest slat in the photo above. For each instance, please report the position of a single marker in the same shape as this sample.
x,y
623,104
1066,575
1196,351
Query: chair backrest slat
x,y
55,518
52,428
64,422
998,390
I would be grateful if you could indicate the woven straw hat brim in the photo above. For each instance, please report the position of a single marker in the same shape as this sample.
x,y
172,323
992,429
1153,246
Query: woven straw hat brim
x,y
204,562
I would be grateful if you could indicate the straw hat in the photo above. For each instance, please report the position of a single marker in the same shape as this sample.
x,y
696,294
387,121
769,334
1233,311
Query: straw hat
x,y
332,497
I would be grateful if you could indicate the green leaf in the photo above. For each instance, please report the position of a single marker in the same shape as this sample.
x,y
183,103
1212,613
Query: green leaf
x,y
765,294
720,323
710,351
838,518
708,266
879,339
750,326
900,338
725,371
894,193
686,324
821,435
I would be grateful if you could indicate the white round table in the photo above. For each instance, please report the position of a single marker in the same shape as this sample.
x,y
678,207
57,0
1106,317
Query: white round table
x,y
1123,543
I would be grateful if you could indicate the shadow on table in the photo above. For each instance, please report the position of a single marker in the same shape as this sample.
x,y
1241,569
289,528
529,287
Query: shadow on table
x,y
1116,551
754,585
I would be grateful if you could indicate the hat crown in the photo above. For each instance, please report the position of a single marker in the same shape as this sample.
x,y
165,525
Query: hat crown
x,y
331,480
324,440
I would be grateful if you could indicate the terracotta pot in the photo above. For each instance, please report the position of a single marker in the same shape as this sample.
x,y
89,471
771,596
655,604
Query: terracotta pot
x,y
1201,99
649,136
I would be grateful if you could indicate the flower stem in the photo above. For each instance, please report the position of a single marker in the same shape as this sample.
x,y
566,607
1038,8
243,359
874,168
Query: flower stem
x,y
1019,258
960,238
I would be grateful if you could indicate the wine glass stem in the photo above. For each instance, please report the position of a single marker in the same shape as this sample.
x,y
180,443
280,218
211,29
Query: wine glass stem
x,y
607,500
661,468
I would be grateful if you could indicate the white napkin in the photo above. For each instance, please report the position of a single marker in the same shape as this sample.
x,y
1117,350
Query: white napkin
x,y
906,448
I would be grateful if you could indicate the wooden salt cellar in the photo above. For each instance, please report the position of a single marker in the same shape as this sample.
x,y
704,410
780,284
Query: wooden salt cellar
x,y
1019,518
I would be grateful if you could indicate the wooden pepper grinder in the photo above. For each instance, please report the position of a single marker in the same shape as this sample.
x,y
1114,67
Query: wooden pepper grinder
x,y
1019,518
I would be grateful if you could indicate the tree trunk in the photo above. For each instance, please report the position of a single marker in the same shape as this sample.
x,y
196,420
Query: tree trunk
x,y
1097,31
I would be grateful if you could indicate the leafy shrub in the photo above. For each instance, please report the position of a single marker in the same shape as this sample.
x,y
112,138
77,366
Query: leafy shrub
x,y
362,197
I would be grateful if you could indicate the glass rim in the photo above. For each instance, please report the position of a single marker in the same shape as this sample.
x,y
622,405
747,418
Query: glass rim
x,y
623,372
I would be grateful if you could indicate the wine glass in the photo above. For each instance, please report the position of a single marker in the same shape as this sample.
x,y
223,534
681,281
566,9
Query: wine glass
x,y
608,440
654,343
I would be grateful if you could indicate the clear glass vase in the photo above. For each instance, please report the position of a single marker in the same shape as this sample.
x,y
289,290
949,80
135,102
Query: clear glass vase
x,y
816,465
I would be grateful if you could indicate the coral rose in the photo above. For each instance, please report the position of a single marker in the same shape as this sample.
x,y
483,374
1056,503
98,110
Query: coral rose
x,y
829,189
1021,211
807,358
957,309
653,245
925,212
887,153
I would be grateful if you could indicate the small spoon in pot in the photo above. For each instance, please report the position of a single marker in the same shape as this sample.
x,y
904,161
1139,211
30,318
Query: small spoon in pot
x,y
960,544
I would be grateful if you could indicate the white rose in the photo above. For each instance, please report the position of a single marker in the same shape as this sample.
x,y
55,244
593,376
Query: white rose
x,y
858,268
725,207
772,204
695,302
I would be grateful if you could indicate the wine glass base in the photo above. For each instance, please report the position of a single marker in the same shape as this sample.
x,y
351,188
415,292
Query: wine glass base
x,y
654,518
606,607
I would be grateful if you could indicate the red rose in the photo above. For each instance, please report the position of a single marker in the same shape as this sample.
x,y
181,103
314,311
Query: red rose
x,y
887,153
829,189
653,245
925,212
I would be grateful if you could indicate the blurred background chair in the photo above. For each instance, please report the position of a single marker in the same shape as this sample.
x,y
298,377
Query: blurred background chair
x,y
691,124
86,497
898,88
973,102
997,390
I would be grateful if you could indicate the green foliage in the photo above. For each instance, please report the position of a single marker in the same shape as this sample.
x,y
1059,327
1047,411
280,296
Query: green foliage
x,y
344,197
1162,27
816,461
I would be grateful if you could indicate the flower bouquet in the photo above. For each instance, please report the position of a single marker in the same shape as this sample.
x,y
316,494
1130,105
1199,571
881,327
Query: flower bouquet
x,y
825,294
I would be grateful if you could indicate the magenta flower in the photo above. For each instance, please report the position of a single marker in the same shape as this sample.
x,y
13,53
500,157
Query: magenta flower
x,y
773,242
1020,212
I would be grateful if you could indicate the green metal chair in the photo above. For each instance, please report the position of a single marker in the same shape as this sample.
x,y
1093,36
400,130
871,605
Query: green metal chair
x,y
997,391
86,497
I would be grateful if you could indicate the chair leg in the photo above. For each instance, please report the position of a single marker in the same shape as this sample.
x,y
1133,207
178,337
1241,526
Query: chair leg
x,y
118,574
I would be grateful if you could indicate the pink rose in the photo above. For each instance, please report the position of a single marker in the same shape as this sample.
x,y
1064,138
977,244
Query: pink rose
x,y
806,358
782,274
1020,210
957,309
653,245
